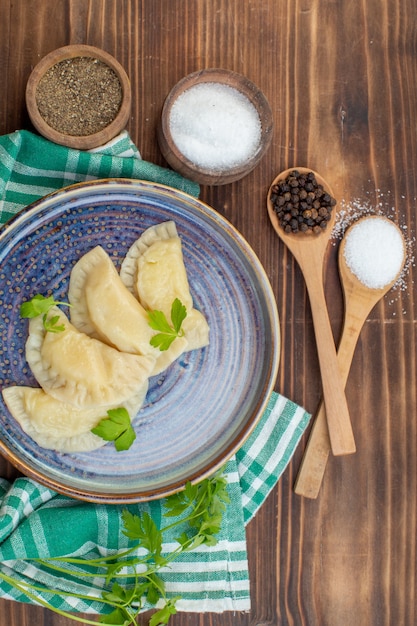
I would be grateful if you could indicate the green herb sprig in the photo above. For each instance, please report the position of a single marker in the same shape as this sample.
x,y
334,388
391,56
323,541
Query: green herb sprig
x,y
116,427
167,332
40,305
198,510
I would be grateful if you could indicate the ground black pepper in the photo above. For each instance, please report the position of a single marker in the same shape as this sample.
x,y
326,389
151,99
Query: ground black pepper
x,y
79,96
301,203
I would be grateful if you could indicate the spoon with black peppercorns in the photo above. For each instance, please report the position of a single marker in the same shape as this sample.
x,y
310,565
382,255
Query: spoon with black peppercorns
x,y
301,209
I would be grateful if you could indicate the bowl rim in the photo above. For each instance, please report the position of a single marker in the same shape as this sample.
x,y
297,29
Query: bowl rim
x,y
81,142
185,166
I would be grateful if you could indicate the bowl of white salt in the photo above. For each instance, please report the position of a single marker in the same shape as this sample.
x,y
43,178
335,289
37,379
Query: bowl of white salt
x,y
215,127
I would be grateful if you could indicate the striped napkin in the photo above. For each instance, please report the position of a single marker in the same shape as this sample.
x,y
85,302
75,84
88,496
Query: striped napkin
x,y
31,167
36,522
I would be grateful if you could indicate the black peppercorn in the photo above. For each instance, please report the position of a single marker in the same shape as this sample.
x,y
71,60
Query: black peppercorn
x,y
301,203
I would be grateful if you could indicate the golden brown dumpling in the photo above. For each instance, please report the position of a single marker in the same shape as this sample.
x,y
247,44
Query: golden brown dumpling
x,y
103,307
57,425
77,369
154,271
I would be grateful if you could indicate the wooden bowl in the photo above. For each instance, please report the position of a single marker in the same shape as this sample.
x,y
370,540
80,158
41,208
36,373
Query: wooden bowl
x,y
80,142
214,175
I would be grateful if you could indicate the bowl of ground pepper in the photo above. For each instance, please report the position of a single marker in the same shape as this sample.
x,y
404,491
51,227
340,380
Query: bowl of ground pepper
x,y
78,96
215,126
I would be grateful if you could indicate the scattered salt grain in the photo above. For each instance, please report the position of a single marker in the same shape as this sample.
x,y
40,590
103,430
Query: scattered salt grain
x,y
374,251
215,126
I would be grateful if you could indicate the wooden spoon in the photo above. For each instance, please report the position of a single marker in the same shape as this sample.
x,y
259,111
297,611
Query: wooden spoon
x,y
359,301
308,250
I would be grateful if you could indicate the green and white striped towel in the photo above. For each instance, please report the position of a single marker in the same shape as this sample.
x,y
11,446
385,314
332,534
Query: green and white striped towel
x,y
36,522
31,167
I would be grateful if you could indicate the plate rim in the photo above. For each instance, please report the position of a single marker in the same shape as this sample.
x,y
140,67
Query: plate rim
x,y
212,466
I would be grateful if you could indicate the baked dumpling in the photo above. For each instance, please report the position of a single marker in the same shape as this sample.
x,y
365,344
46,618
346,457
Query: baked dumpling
x,y
154,271
196,330
56,425
129,269
80,370
103,307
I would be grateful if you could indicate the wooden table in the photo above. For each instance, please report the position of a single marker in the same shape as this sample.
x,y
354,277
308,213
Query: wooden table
x,y
341,78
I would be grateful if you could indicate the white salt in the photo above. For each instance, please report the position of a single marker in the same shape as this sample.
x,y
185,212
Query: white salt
x,y
374,251
215,126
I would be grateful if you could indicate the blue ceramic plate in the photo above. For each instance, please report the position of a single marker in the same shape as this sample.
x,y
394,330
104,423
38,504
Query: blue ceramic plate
x,y
198,412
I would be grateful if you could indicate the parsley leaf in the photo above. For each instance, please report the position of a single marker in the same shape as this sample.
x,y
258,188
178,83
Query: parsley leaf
x,y
162,616
167,332
178,314
116,617
51,324
40,305
116,427
144,529
37,306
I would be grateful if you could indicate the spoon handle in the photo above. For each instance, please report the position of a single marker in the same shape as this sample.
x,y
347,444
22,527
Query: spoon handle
x,y
338,420
313,464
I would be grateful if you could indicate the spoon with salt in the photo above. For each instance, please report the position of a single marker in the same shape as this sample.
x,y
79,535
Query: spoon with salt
x,y
367,273
308,250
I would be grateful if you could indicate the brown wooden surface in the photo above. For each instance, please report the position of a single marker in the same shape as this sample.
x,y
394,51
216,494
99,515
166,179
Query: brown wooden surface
x,y
341,78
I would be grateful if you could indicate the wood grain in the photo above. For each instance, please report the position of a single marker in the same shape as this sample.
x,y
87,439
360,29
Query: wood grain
x,y
341,80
